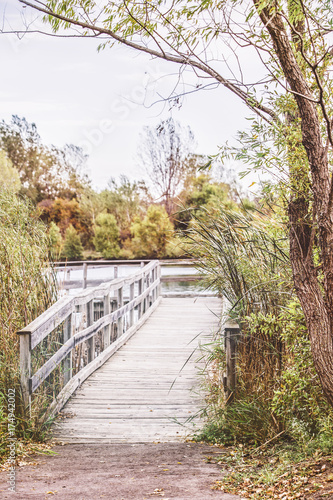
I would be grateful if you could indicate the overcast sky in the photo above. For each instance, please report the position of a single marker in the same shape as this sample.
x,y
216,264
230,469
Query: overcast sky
x,y
102,101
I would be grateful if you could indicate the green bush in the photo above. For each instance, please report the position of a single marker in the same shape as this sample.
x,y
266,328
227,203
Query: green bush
x,y
106,239
72,249
299,400
56,241
278,391
152,234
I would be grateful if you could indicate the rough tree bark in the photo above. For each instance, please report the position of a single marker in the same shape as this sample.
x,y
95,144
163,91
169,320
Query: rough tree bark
x,y
316,298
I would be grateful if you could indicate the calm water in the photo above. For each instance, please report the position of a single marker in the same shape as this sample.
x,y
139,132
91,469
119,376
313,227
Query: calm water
x,y
179,286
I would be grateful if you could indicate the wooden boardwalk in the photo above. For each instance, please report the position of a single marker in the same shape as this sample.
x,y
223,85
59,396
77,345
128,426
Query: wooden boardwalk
x,y
149,387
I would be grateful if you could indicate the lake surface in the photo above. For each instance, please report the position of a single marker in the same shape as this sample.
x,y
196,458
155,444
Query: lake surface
x,y
167,270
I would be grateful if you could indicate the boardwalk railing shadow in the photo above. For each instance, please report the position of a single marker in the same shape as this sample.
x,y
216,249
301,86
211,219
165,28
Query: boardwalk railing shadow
x,y
88,327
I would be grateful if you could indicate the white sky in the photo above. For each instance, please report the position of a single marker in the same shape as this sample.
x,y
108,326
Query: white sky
x,y
101,101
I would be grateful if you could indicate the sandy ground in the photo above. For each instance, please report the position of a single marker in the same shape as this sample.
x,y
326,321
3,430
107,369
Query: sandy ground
x,y
170,471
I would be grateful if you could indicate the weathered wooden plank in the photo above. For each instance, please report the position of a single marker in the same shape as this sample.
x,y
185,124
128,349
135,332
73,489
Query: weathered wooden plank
x,y
103,403
129,411
48,321
145,385
96,363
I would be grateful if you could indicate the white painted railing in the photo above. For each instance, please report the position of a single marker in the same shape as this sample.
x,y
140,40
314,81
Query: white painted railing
x,y
92,325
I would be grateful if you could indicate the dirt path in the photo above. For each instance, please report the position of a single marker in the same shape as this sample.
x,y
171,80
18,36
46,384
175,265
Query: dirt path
x,y
174,471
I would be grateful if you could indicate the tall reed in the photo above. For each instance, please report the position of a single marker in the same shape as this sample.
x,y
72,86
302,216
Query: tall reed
x,y
245,258
27,288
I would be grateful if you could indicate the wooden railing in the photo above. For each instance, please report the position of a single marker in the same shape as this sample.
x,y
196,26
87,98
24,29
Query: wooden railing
x,y
101,318
83,275
230,332
64,271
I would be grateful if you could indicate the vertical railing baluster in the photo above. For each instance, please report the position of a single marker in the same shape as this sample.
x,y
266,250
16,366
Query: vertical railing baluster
x,y
140,290
159,278
107,329
131,297
85,275
90,321
154,292
68,363
113,324
120,304
146,281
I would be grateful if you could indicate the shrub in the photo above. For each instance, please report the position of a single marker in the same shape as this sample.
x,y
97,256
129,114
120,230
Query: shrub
x,y
73,249
151,235
56,241
106,239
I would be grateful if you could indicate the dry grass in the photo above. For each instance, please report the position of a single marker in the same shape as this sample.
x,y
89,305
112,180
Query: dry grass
x,y
27,288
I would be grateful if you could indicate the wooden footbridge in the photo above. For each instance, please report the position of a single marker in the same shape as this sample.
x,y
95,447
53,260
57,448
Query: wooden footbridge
x,y
120,360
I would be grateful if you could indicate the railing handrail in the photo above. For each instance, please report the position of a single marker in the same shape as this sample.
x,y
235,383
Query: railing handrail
x,y
63,313
82,336
76,264
40,327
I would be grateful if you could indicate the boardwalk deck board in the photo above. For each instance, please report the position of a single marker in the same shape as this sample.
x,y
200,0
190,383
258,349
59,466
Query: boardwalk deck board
x,y
144,392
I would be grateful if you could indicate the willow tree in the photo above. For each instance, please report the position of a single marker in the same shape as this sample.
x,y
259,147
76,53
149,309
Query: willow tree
x,y
291,40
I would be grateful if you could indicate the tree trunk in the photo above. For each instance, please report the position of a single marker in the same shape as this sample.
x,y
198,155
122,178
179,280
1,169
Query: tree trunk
x,y
314,287
319,319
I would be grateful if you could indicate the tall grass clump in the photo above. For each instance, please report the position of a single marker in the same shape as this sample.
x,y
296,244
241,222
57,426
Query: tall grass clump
x,y
27,288
245,259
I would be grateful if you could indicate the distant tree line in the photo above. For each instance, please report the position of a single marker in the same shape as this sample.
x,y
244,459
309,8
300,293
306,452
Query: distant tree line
x,y
126,219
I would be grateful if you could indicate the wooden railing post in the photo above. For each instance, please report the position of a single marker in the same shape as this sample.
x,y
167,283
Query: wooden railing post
x,y
107,329
231,333
68,362
25,368
131,297
113,326
140,290
120,304
158,288
147,283
90,320
154,292
85,275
